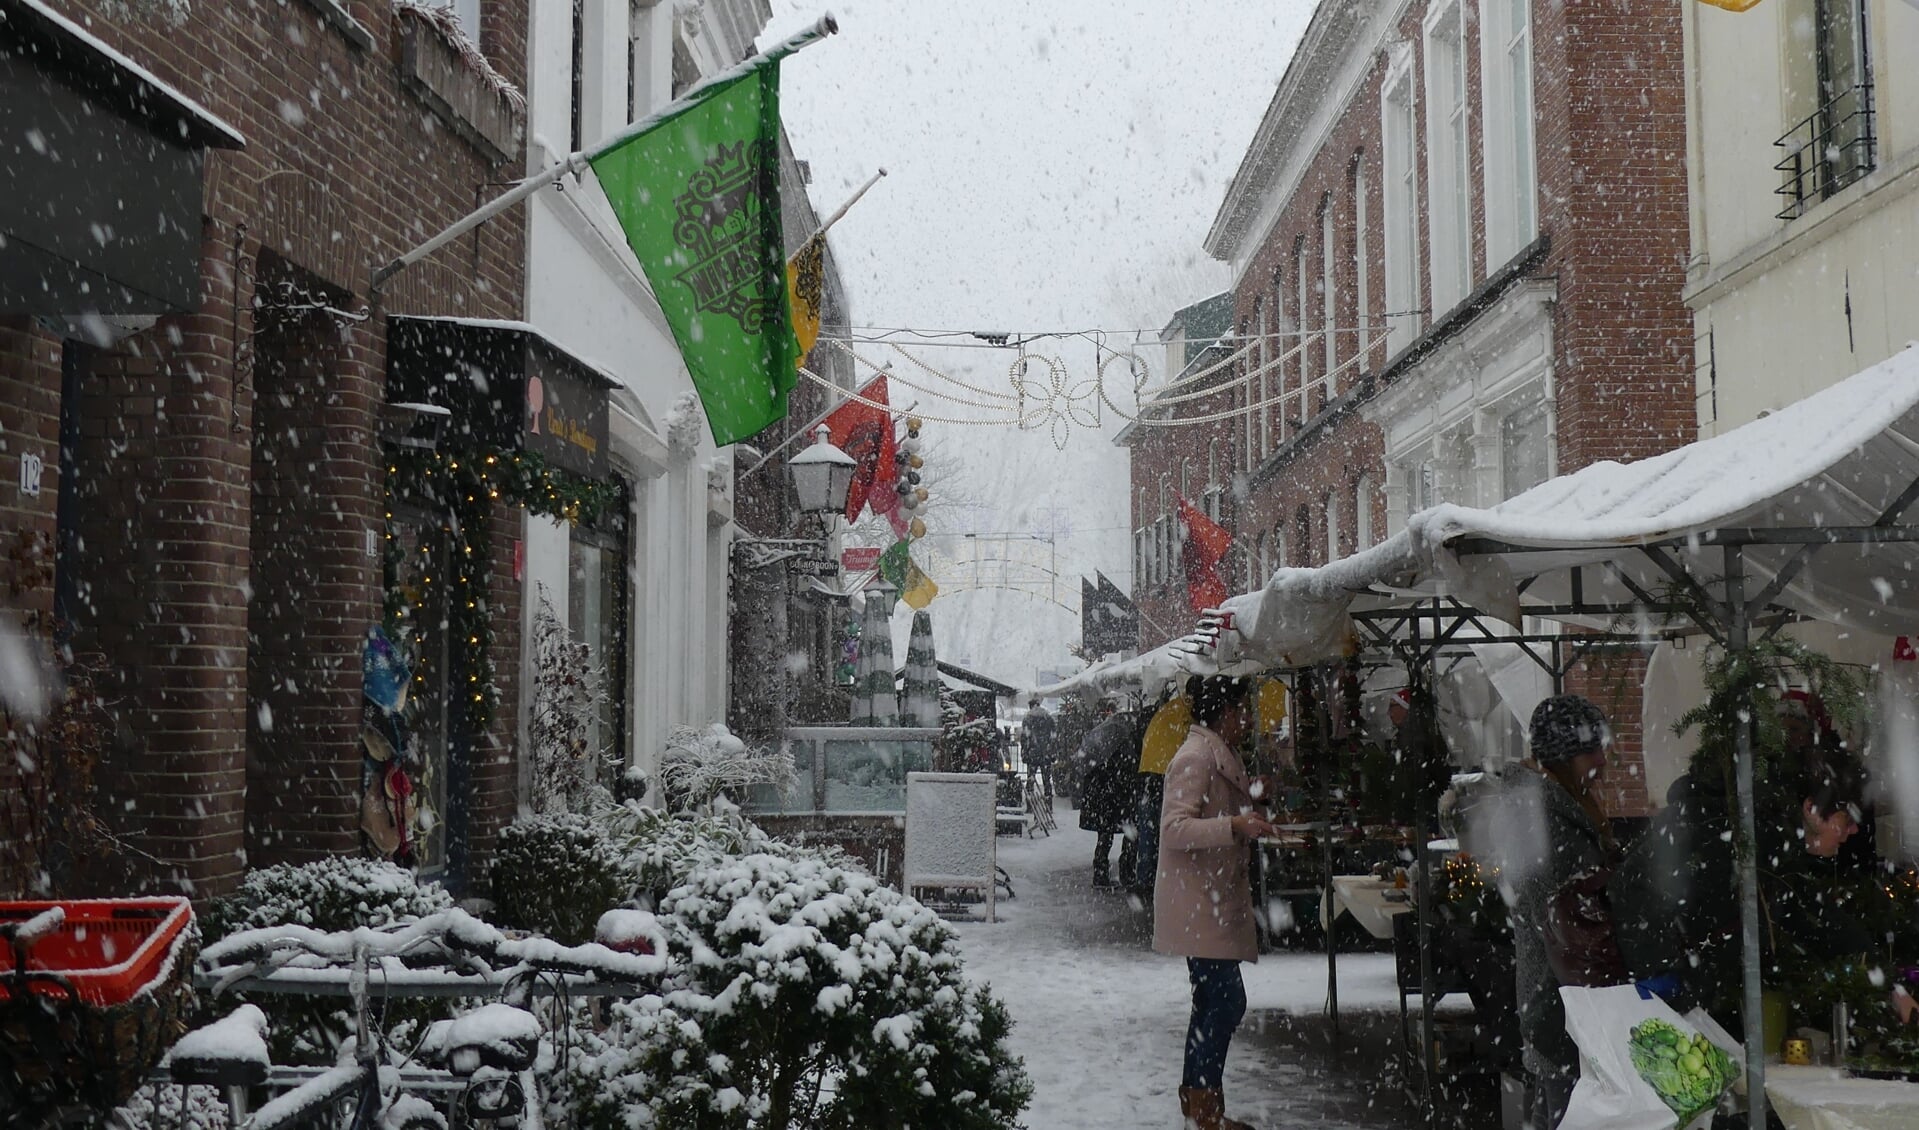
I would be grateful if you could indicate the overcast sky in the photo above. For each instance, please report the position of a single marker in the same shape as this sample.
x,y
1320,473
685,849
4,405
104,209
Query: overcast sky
x,y
1053,165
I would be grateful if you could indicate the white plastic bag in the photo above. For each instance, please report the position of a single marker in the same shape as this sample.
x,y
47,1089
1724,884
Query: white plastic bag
x,y
1611,1095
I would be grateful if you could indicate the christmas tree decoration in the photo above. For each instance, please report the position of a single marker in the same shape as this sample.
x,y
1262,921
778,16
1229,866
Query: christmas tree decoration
x,y
922,690
875,698
918,528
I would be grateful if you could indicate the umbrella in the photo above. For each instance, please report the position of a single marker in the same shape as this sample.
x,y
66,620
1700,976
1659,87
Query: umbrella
x,y
875,700
1165,734
922,676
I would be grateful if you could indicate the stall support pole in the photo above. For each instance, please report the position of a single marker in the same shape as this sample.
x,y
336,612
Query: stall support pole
x,y
1326,855
1737,640
1421,670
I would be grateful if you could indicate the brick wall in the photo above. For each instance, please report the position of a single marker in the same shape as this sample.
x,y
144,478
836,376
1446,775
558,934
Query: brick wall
x,y
204,534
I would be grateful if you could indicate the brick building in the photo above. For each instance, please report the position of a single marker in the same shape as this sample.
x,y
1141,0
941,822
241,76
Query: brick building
x,y
211,515
1458,245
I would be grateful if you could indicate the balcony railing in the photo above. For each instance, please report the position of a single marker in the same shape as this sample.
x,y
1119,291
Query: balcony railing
x,y
1828,151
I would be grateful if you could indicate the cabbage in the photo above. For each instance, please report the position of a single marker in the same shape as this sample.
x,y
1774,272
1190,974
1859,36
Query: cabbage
x,y
1688,1071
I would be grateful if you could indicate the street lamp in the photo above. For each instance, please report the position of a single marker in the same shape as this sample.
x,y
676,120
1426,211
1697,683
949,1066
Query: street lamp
x,y
822,476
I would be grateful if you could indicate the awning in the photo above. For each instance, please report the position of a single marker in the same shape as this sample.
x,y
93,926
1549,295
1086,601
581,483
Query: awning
x,y
507,387
101,170
1808,492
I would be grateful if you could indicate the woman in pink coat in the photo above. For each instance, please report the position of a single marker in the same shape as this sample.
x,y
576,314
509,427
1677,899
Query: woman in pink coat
x,y
1203,898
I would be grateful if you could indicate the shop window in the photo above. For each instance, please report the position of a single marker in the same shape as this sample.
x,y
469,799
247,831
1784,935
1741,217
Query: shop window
x,y
1363,513
1362,270
1525,448
596,615
1329,298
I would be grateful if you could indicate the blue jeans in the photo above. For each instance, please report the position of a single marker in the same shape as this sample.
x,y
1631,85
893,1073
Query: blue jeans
x,y
1219,1004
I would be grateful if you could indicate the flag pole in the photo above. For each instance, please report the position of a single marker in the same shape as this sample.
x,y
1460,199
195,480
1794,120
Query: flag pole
x,y
575,162
843,209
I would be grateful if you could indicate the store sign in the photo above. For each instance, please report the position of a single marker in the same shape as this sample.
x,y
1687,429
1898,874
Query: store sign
x,y
860,559
565,418
814,567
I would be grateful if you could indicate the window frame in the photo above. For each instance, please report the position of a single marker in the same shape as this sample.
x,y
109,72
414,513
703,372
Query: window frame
x,y
1399,186
1448,165
1509,136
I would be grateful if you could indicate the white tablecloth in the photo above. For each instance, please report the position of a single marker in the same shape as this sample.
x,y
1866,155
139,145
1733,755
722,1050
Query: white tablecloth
x,y
1364,897
1823,1098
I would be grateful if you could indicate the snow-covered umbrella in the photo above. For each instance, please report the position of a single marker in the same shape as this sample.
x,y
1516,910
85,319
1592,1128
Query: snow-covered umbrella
x,y
922,675
875,698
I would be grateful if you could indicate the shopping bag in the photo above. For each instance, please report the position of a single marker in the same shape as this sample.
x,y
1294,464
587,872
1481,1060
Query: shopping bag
x,y
1627,1042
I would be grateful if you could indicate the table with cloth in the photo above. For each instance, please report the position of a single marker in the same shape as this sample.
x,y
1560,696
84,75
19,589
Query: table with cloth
x,y
1824,1098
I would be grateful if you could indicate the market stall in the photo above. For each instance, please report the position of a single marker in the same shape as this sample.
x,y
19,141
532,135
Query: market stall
x,y
1796,516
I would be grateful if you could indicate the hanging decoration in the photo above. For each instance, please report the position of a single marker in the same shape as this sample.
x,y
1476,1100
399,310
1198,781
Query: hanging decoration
x,y
461,486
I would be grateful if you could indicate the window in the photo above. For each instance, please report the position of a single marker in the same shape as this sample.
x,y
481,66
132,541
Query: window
x,y
1332,526
1329,297
1265,355
1302,541
596,616
1362,274
1833,144
579,76
1402,215
1363,513
1212,464
467,14
1506,61
1447,169
1305,377
1262,564
1281,558
1525,448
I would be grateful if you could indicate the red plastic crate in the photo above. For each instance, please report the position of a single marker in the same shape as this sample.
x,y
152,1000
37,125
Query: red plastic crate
x,y
107,949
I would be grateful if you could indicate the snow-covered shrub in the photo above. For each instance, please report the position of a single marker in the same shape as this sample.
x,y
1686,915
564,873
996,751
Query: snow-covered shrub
x,y
556,875
336,893
702,763
804,995
333,894
664,849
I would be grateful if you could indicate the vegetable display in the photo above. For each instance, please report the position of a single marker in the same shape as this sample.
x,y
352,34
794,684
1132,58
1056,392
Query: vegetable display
x,y
1687,1070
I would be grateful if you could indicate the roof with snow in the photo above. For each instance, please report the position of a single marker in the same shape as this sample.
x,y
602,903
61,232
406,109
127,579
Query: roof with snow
x,y
1813,492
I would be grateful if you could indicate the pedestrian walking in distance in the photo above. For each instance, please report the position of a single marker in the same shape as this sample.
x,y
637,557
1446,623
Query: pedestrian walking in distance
x,y
1038,747
1202,900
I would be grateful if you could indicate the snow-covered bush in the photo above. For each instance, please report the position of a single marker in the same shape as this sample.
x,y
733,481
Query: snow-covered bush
x,y
158,1107
805,995
337,893
556,875
702,763
663,849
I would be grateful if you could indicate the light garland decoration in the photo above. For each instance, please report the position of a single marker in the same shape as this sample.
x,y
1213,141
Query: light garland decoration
x,y
460,487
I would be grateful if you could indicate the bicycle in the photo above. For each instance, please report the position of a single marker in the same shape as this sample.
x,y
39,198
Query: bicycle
x,y
480,1064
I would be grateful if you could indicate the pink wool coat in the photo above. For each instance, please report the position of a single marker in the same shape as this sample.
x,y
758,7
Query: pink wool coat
x,y
1203,897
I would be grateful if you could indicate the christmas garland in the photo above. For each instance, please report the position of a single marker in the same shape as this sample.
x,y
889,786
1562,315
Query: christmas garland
x,y
462,486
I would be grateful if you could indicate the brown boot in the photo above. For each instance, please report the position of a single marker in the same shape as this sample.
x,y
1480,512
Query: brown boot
x,y
1202,1110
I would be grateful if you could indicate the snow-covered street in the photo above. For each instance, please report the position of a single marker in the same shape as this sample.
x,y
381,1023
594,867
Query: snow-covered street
x,y
1100,1018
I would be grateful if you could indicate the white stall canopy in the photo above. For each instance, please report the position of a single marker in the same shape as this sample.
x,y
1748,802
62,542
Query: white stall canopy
x,y
1809,497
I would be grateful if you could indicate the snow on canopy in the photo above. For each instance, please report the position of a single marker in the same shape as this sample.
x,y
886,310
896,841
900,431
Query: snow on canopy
x,y
1840,457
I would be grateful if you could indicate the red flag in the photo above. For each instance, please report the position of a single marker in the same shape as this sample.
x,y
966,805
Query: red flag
x,y
1206,544
865,432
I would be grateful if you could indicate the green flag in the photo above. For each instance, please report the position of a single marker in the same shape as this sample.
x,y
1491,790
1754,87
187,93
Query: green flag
x,y
698,194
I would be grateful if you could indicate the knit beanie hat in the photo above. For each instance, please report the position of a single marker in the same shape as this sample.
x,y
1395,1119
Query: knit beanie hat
x,y
1565,726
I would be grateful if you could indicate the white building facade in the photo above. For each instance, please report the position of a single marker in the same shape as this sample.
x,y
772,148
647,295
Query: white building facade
x,y
648,595
1803,130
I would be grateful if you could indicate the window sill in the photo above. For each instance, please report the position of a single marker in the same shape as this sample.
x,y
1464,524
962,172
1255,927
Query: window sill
x,y
482,108
342,21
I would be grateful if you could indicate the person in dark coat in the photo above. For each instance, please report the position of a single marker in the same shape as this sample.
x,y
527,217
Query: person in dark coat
x,y
1675,894
1552,832
1038,744
1108,769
